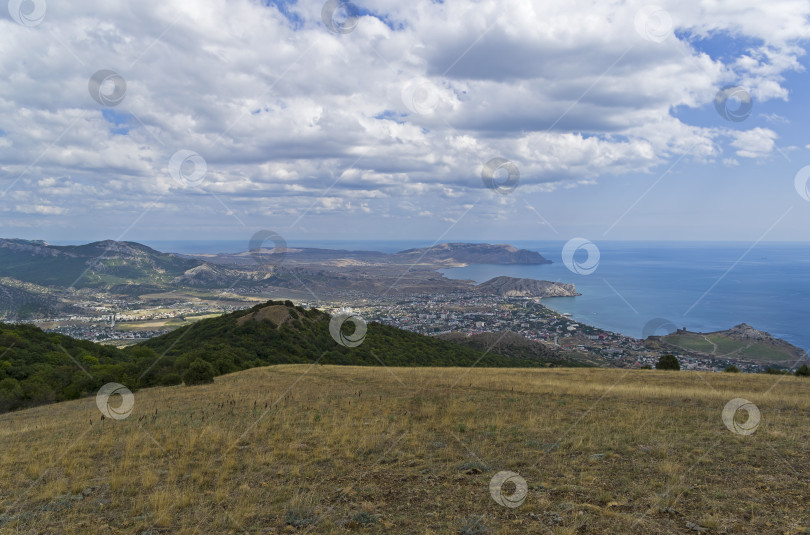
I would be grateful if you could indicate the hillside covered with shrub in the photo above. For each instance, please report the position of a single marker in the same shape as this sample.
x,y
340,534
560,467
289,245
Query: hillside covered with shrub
x,y
280,333
38,367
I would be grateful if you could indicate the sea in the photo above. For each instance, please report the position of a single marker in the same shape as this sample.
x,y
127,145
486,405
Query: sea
x,y
639,288
642,288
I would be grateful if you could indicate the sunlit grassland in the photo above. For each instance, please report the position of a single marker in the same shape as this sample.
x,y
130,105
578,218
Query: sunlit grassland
x,y
327,449
145,325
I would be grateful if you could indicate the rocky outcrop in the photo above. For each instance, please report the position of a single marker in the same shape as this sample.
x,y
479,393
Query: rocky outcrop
x,y
514,287
743,331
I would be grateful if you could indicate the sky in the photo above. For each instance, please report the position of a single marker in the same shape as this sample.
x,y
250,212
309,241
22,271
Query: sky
x,y
489,120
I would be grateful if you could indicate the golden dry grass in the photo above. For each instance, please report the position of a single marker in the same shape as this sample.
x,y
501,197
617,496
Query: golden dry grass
x,y
326,449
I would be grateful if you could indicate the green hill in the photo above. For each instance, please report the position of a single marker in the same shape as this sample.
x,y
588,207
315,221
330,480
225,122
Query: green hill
x,y
741,342
38,367
280,333
103,264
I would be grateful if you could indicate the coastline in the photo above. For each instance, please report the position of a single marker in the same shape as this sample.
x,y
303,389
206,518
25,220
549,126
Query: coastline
x,y
683,283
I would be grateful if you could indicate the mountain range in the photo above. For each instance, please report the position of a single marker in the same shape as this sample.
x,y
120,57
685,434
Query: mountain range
x,y
39,278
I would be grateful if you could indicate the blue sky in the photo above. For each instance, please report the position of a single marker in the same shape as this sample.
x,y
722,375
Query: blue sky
x,y
286,116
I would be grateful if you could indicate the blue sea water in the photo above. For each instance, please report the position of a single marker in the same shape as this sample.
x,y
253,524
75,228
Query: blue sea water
x,y
702,286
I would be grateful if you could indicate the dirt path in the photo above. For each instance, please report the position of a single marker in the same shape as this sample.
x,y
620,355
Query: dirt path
x,y
714,346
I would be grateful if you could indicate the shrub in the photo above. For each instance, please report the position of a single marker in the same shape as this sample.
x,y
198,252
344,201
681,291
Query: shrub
x,y
300,517
364,518
646,367
11,394
732,369
170,379
803,371
473,525
199,372
668,362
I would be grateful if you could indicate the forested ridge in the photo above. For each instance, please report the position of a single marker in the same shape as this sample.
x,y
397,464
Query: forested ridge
x,y
38,367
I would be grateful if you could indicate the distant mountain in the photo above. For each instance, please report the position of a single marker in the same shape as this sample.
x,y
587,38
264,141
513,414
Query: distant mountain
x,y
132,268
740,342
471,253
442,254
17,301
102,264
515,287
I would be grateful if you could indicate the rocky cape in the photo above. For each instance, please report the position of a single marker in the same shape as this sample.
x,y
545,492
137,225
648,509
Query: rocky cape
x,y
742,342
472,253
515,287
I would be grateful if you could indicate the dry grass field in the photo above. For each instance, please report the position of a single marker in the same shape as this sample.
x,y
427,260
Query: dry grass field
x,y
326,449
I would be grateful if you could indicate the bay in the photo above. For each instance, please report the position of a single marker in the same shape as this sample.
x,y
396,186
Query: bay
x,y
703,286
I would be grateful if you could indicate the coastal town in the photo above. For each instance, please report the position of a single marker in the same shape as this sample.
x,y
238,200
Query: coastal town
x,y
121,324
479,313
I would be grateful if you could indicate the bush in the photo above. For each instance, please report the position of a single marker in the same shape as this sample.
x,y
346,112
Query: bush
x,y
732,369
646,367
364,518
668,362
473,525
300,517
11,394
199,372
803,371
170,379
775,371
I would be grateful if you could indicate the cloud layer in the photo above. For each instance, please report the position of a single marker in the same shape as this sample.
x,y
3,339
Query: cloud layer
x,y
396,117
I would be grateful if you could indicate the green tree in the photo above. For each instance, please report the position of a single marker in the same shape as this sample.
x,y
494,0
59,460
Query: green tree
x,y
170,379
732,369
11,394
668,362
803,371
199,372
